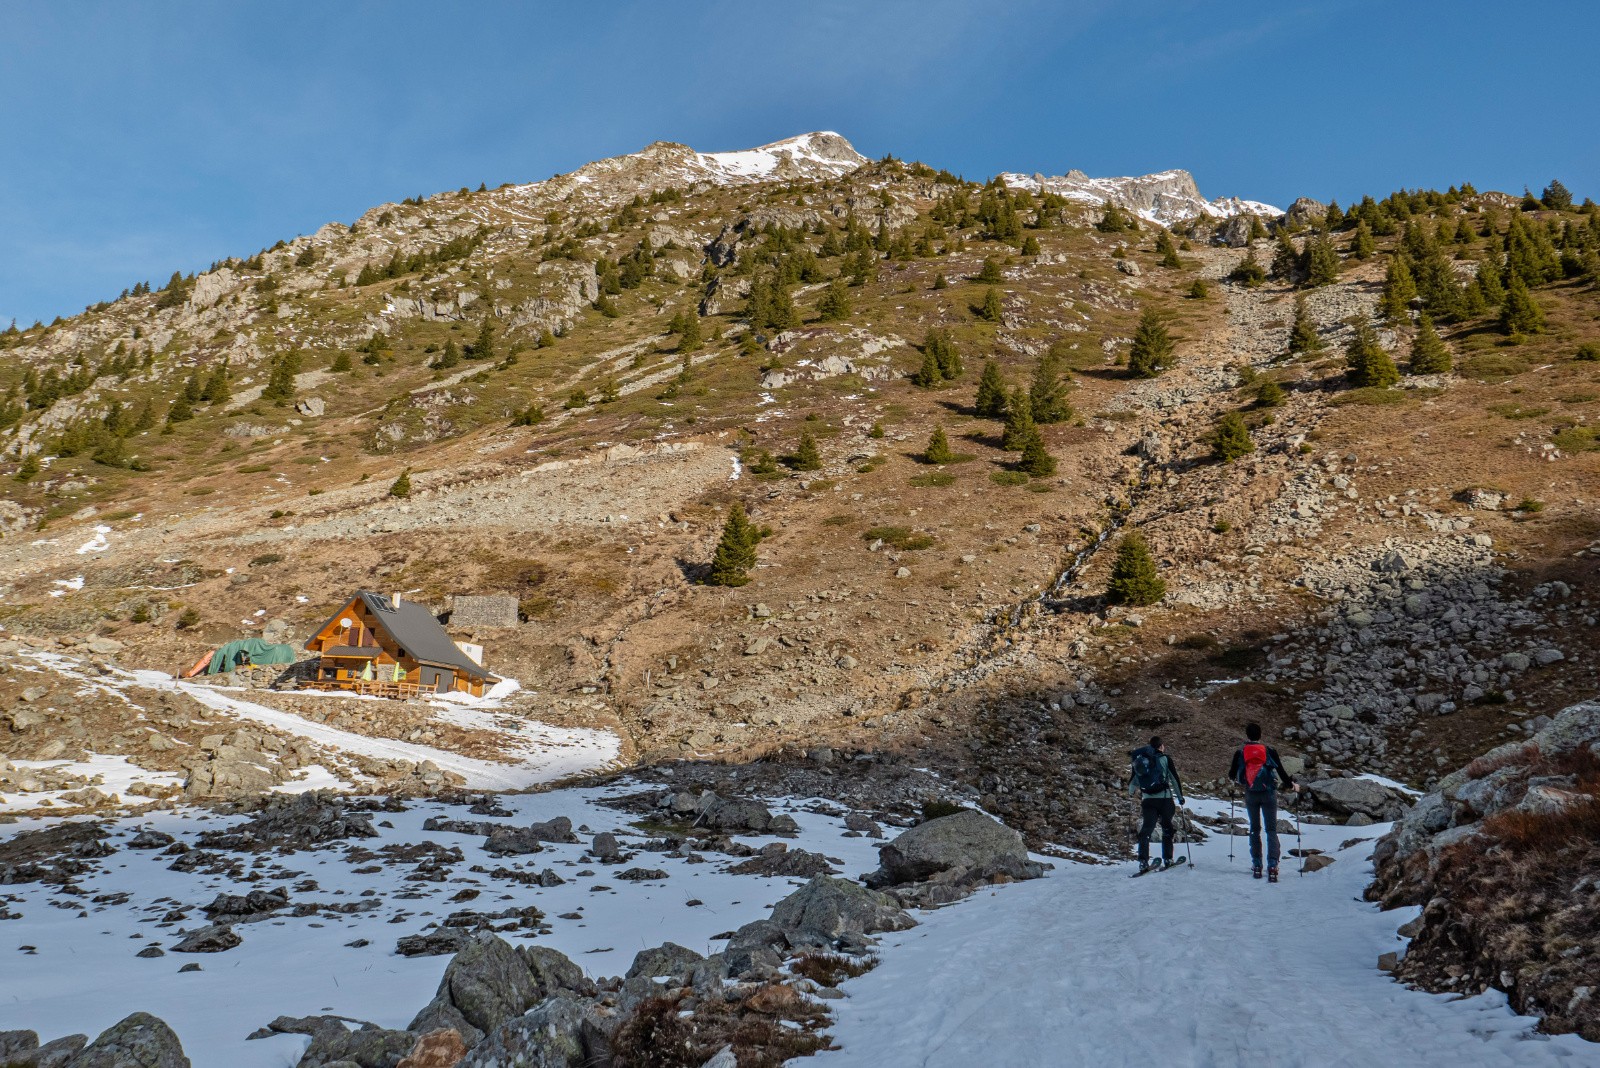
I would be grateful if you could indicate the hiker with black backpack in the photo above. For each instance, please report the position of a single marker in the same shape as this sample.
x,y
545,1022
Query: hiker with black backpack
x,y
1257,768
1154,779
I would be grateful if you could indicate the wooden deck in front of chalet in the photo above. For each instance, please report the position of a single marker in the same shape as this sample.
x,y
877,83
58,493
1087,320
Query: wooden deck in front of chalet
x,y
371,687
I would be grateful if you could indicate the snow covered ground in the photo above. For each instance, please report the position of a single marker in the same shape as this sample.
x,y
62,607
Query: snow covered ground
x,y
1199,967
541,752
83,975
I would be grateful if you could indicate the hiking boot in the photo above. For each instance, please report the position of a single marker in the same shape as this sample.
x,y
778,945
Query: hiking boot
x,y
1272,875
1255,873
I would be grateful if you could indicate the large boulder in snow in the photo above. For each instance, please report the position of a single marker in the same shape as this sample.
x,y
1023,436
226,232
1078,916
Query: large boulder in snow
x,y
1365,797
559,1032
136,1041
836,908
488,983
965,846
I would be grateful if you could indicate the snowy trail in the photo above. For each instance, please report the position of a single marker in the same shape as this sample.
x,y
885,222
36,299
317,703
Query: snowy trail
x,y
1194,968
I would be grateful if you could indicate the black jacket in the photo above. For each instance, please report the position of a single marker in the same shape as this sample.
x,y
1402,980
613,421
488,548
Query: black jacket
x,y
1273,766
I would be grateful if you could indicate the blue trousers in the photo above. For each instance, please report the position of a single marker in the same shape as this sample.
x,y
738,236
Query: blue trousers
x,y
1263,808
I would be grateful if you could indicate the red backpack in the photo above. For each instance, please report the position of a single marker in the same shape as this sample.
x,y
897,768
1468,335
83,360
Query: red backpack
x,y
1255,765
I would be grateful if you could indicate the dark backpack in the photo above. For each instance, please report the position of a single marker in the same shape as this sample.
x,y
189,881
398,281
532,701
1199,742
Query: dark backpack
x,y
1149,771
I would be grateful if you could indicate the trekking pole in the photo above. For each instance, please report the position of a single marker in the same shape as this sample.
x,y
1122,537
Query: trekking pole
x,y
1231,828
1299,845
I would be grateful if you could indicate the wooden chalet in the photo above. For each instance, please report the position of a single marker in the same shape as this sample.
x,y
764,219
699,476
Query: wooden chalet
x,y
385,645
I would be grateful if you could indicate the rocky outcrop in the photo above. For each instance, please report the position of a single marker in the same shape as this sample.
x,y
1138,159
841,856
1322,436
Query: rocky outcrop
x,y
489,982
1504,859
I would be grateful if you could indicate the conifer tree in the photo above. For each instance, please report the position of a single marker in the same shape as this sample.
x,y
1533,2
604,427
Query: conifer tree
x,y
1520,314
929,375
341,363
1036,459
1030,246
992,309
1047,392
1112,221
1287,263
938,449
1231,439
28,469
1257,229
483,347
807,457
1366,362
835,303
1269,394
1398,290
1333,217
1134,579
1168,251
945,354
401,487
1556,197
990,403
1249,272
216,390
1152,350
1429,356
939,282
146,419
1322,261
1487,283
1019,421
736,550
194,389
689,336
1362,246
1304,339
1199,290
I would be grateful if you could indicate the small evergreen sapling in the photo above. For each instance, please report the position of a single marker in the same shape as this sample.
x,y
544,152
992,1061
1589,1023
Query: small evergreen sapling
x,y
1304,339
1036,459
1152,350
992,309
1231,439
1366,362
1134,579
1429,356
807,457
990,403
1019,422
401,487
938,449
736,550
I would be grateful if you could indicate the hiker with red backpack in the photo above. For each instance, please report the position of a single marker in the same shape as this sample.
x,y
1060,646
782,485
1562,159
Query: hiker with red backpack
x,y
1258,769
1155,780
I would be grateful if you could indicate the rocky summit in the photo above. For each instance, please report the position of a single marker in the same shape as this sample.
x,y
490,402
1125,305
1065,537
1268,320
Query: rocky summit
x,y
644,605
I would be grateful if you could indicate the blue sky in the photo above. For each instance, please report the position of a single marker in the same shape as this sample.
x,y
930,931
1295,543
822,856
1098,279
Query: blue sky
x,y
143,138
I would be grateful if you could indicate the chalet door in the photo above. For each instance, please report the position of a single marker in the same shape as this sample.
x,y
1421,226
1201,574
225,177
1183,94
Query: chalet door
x,y
439,680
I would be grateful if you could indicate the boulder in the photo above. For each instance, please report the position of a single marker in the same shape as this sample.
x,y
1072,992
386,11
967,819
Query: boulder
x,y
486,984
956,844
136,1041
1346,797
560,1032
1574,728
367,1046
667,959
835,908
213,939
436,1049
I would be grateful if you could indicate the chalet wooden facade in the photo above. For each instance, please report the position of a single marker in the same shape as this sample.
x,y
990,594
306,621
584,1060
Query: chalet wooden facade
x,y
385,645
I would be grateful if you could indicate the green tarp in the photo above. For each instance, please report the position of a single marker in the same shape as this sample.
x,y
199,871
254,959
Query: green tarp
x,y
248,651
